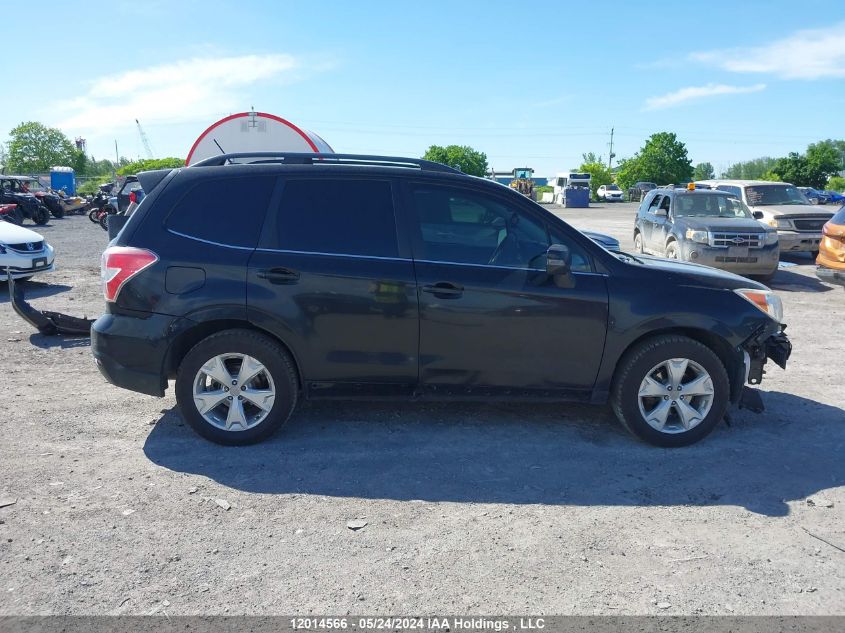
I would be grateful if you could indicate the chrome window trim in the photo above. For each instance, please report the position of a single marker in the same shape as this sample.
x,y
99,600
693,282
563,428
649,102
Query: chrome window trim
x,y
529,270
404,259
293,252
199,239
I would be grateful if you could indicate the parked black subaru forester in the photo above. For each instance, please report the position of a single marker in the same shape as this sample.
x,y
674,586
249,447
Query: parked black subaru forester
x,y
256,280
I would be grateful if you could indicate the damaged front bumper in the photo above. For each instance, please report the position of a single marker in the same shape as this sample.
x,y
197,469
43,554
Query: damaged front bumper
x,y
46,322
764,346
768,343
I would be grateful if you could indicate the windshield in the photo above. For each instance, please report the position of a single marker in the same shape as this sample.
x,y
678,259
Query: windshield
x,y
711,205
762,195
612,188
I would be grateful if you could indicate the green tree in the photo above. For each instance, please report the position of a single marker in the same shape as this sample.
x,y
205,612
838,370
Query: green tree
x,y
591,157
793,169
836,183
663,160
703,171
823,161
34,147
599,174
769,175
461,157
750,169
149,164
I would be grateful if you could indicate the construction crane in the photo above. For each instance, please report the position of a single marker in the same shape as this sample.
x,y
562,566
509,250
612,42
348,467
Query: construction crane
x,y
144,139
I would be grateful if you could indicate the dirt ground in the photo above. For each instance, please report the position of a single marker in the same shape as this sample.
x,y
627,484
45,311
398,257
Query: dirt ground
x,y
480,509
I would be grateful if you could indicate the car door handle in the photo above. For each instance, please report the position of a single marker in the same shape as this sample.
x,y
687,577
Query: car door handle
x,y
279,275
444,290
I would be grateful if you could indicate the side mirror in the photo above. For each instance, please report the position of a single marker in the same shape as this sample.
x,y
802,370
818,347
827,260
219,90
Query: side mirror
x,y
758,215
661,212
558,260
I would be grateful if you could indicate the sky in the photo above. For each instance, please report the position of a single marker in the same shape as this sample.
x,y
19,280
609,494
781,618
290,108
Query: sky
x,y
532,84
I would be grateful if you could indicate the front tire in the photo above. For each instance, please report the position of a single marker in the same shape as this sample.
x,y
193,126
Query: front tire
x,y
237,387
40,215
672,251
638,242
646,398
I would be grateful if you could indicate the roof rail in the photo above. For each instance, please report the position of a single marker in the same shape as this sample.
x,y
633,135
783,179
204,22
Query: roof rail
x,y
301,158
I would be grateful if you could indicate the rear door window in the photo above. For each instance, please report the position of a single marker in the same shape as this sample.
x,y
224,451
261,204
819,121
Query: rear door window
x,y
227,211
337,217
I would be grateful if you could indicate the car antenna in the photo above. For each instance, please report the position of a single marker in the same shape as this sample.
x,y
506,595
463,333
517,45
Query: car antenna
x,y
222,151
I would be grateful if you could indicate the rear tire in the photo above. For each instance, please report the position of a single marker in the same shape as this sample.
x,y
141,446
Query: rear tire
x,y
687,419
278,375
58,213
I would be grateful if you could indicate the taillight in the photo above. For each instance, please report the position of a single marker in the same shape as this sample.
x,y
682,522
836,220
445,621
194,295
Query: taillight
x,y
133,197
119,264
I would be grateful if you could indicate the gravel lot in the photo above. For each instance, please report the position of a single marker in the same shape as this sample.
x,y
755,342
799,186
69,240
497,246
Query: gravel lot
x,y
121,509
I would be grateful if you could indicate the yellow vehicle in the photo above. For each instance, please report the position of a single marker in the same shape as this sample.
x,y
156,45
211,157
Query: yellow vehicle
x,y
523,181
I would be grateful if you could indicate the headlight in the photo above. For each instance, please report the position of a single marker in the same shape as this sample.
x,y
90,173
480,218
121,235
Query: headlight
x,y
779,224
697,236
765,300
771,237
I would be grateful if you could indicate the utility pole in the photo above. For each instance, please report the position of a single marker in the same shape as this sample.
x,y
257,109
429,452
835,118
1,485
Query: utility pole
x,y
610,155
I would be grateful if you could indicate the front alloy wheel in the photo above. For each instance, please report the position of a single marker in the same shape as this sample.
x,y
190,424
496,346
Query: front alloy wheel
x,y
676,395
670,390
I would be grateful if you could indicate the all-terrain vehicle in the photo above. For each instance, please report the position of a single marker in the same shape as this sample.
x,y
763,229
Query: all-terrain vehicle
x,y
12,191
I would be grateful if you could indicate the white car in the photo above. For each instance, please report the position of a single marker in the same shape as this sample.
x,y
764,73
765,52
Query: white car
x,y
23,252
609,193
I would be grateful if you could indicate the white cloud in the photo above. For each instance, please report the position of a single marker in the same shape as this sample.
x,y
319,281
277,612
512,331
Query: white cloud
x,y
187,90
807,54
693,93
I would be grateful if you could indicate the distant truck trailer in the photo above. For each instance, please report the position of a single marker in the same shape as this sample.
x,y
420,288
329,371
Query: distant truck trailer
x,y
576,182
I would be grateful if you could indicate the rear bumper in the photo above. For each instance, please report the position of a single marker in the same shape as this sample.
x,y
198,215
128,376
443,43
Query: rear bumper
x,y
831,276
130,351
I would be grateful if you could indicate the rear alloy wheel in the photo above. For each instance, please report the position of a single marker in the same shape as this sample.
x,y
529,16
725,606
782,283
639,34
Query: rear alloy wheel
x,y
236,387
670,391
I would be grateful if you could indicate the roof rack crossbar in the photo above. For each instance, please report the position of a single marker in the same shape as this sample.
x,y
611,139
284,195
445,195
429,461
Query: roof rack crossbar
x,y
301,158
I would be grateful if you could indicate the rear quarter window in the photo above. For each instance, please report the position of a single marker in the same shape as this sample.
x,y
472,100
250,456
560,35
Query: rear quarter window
x,y
336,216
839,217
228,211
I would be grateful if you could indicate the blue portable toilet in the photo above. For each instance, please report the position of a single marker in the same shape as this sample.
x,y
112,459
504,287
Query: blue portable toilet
x,y
63,178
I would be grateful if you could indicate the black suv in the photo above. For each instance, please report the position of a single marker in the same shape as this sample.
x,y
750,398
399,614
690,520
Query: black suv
x,y
714,228
639,190
257,280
